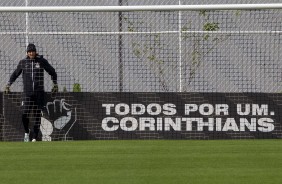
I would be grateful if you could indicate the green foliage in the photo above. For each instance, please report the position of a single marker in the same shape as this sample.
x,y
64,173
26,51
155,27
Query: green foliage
x,y
203,12
150,51
76,87
206,43
211,26
238,12
136,49
64,89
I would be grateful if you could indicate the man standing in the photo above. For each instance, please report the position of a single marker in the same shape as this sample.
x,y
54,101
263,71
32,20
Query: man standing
x,y
32,69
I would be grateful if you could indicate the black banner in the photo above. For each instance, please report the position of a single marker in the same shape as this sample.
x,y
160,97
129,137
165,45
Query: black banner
x,y
89,116
1,116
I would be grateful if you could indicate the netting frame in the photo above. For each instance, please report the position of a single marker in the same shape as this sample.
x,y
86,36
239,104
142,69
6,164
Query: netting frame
x,y
141,8
29,9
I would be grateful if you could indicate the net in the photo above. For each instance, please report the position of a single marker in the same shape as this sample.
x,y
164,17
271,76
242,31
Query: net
x,y
190,56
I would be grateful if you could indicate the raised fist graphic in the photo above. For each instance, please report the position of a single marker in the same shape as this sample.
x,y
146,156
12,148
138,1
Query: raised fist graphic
x,y
56,116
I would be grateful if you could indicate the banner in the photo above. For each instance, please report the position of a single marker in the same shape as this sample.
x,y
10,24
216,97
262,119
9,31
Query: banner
x,y
90,116
1,116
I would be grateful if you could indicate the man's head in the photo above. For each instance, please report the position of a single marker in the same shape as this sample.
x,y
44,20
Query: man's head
x,y
31,51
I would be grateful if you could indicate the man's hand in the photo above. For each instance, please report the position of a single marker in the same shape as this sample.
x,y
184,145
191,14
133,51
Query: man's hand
x,y
55,88
7,89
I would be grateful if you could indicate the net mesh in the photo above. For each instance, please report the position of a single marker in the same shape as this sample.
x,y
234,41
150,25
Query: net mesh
x,y
234,51
205,51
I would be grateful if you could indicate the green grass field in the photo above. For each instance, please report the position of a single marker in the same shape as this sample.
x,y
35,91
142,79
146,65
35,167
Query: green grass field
x,y
130,162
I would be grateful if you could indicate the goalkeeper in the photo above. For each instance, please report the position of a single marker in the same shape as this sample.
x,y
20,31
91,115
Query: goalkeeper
x,y
32,70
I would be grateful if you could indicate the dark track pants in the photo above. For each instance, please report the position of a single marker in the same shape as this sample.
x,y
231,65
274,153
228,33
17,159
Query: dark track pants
x,y
32,104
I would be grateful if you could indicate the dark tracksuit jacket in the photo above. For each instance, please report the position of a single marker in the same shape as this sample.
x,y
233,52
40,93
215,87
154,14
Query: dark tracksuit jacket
x,y
33,74
32,71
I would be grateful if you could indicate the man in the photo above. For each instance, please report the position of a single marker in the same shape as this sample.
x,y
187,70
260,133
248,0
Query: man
x,y
32,69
